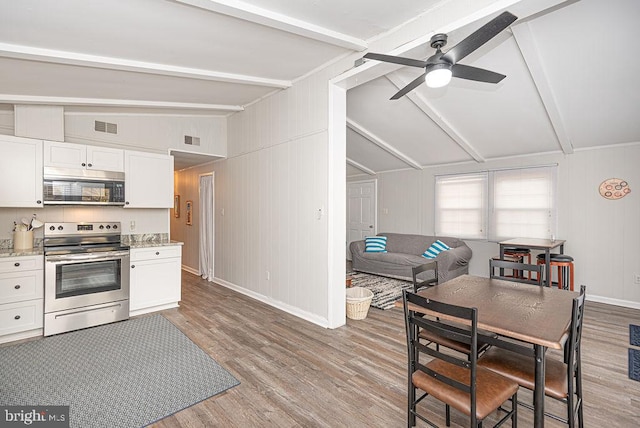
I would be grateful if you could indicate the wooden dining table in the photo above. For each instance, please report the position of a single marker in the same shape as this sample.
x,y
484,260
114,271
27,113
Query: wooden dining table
x,y
534,315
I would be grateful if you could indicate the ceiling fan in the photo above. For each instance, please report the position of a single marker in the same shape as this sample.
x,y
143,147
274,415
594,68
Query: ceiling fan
x,y
440,67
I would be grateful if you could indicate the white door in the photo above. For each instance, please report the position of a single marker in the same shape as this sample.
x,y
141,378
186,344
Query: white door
x,y
361,211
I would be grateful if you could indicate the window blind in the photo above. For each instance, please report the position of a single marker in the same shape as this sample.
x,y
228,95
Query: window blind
x,y
461,206
497,205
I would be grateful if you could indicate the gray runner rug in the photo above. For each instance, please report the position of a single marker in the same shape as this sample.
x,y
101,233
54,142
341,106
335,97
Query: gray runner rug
x,y
385,290
126,374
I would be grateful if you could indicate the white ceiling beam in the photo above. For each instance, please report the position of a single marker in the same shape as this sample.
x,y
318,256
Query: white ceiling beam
x,y
360,167
105,102
251,13
109,63
382,144
531,54
427,108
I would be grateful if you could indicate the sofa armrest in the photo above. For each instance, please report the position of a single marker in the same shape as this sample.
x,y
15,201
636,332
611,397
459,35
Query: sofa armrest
x,y
454,258
356,247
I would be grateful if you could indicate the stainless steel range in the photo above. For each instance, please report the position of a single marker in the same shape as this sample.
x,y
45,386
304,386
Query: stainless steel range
x,y
86,276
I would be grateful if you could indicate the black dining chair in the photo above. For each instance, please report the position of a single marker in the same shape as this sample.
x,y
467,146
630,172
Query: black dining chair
x,y
497,268
563,378
430,336
459,383
430,280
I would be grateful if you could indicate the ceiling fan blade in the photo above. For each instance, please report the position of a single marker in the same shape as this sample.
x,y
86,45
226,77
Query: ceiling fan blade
x,y
397,60
410,87
477,74
479,37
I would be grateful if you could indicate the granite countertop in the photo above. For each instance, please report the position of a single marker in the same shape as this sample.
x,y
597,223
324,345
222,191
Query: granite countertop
x,y
154,243
10,252
133,241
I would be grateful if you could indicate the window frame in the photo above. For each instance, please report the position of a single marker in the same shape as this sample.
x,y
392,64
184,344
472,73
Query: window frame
x,y
489,226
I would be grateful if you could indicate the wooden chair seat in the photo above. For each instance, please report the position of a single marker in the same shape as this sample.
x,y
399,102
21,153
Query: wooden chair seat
x,y
521,369
491,389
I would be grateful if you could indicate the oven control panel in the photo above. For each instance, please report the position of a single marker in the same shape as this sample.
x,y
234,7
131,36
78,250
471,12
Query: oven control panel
x,y
81,229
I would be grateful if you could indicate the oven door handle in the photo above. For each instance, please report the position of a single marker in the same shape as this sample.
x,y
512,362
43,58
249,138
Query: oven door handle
x,y
109,255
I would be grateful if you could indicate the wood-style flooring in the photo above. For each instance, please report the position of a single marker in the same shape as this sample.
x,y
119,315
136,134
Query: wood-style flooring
x,y
296,374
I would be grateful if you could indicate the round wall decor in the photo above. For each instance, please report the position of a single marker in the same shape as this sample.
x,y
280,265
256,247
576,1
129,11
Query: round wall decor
x,y
614,188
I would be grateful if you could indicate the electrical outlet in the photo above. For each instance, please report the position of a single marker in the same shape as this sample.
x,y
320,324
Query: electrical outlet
x,y
132,225
637,278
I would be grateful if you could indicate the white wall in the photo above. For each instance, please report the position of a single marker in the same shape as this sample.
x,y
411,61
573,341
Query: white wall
x,y
148,132
602,235
271,241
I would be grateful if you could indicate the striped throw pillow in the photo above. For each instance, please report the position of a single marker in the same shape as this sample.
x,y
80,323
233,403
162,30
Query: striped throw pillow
x,y
375,244
435,249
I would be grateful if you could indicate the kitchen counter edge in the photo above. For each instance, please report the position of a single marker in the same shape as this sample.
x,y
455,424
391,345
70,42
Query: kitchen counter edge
x,y
147,244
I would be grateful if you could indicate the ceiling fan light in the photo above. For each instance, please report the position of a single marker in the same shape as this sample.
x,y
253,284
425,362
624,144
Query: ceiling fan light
x,y
438,77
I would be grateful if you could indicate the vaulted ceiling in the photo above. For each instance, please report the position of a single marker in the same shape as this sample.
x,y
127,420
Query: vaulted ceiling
x,y
570,69
572,83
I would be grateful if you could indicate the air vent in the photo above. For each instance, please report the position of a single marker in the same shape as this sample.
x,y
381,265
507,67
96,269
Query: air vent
x,y
192,141
110,128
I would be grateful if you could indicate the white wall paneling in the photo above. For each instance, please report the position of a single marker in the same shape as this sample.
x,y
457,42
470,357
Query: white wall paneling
x,y
39,121
150,132
271,243
7,120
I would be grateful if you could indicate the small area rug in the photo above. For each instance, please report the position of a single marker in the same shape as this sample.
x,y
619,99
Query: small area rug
x,y
125,374
385,290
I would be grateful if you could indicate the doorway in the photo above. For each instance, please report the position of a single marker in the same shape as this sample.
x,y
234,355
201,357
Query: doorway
x,y
207,232
361,211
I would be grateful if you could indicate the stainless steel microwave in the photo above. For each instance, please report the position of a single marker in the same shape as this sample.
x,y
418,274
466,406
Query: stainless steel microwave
x,y
83,187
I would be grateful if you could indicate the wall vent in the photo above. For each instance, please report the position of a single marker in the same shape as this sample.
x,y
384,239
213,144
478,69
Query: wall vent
x,y
192,141
110,128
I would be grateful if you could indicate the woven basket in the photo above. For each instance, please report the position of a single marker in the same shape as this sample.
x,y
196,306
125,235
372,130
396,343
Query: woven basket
x,y
358,302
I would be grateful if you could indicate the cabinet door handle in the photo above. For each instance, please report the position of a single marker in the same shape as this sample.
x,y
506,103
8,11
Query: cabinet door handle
x,y
16,264
17,317
38,202
157,253
126,203
89,165
84,164
133,266
17,287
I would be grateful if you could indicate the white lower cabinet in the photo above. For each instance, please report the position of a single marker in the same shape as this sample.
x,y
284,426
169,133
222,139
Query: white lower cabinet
x,y
155,278
21,297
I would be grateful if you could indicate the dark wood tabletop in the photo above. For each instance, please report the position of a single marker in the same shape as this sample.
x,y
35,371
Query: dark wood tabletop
x,y
533,314
536,244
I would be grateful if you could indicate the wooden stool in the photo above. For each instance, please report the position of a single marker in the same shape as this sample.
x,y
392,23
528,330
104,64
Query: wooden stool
x,y
564,264
520,254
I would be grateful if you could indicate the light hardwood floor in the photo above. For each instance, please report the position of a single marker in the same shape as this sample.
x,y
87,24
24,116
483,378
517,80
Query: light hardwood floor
x,y
296,374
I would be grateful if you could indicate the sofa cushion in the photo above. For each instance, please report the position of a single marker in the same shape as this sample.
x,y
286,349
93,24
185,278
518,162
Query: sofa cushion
x,y
375,244
395,258
435,249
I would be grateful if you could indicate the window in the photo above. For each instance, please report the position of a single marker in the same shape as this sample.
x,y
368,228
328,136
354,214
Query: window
x,y
461,209
497,205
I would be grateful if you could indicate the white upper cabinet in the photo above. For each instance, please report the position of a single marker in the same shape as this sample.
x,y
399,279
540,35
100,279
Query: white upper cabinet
x,y
20,172
148,180
79,156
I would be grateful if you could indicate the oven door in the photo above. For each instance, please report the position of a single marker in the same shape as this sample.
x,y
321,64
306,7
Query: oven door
x,y
78,280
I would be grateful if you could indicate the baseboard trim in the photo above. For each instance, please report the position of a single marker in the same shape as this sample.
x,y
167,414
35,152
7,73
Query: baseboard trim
x,y
610,301
190,270
308,316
